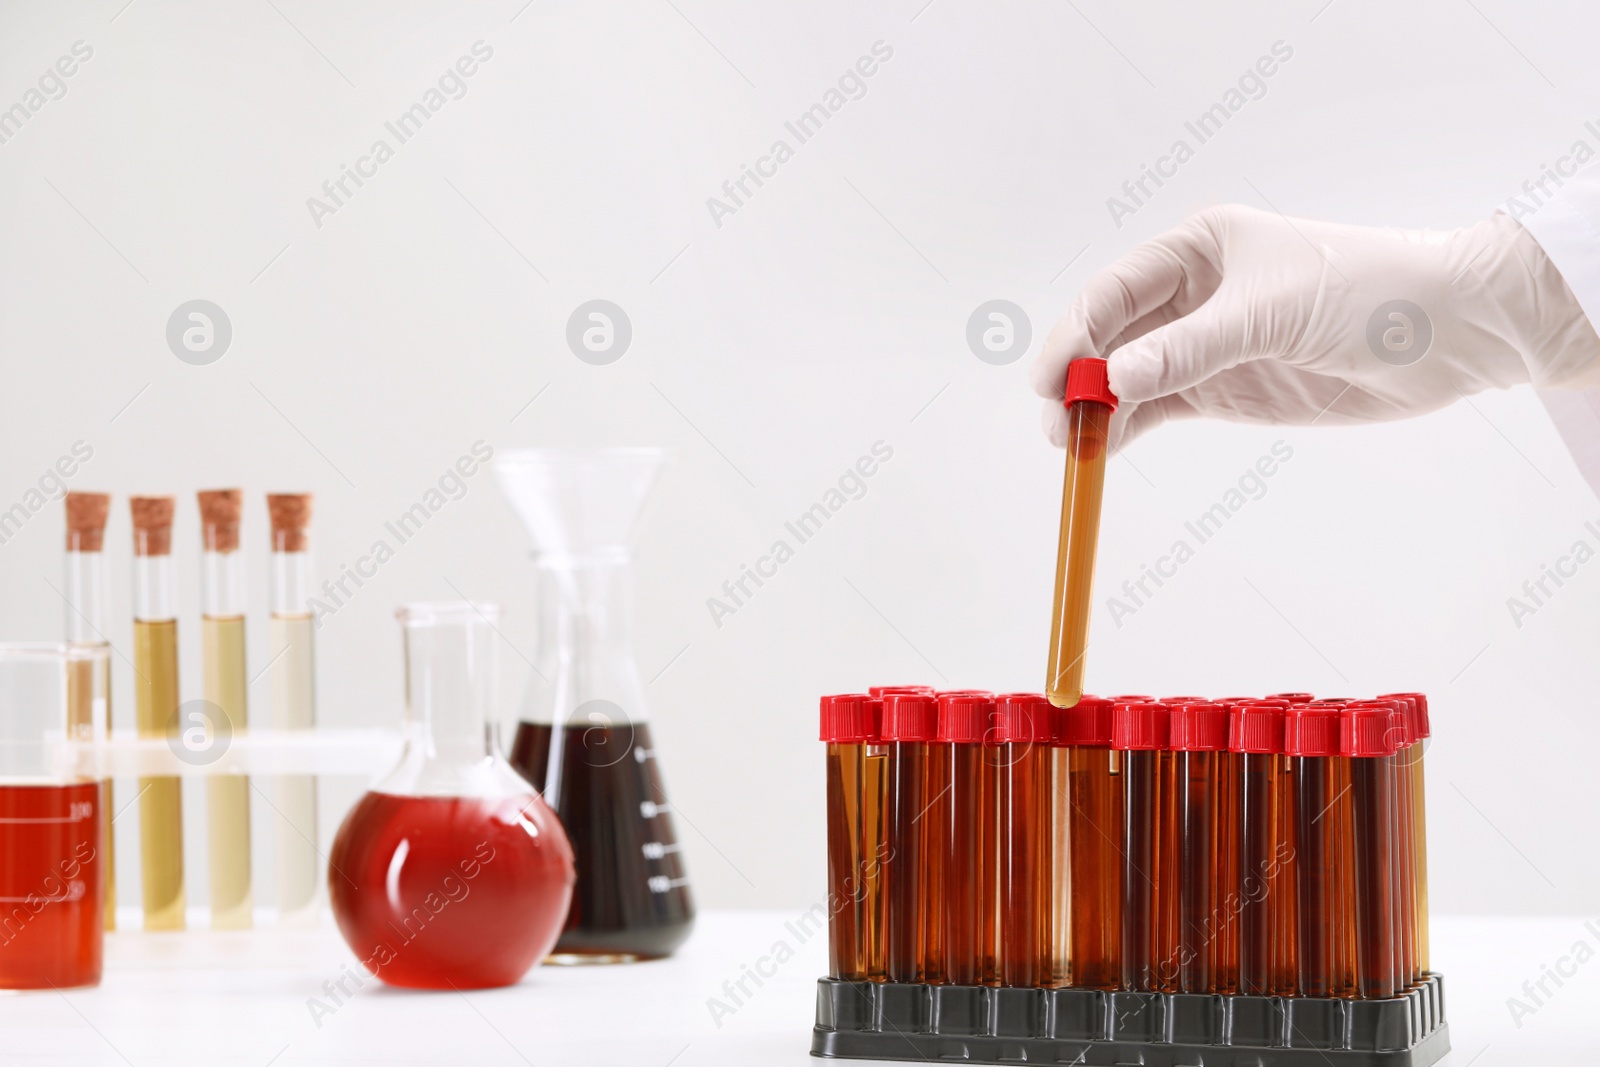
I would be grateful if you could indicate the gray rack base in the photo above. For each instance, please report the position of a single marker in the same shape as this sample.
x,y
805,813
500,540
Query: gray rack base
x,y
976,1024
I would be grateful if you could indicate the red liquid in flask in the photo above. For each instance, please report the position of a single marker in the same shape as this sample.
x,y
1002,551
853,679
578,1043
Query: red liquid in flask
x,y
439,892
50,886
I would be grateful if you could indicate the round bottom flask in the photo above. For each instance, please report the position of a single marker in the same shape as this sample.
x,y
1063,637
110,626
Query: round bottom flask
x,y
451,873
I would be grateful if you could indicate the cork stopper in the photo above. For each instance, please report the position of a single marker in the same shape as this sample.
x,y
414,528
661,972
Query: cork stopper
x,y
152,524
219,518
86,521
291,519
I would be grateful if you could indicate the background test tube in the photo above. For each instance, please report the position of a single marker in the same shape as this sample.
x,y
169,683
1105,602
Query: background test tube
x,y
293,686
1150,876
910,728
1311,740
1420,730
874,840
1199,739
968,808
1367,739
1023,727
1266,963
88,596
845,727
226,686
155,657
1094,837
1089,402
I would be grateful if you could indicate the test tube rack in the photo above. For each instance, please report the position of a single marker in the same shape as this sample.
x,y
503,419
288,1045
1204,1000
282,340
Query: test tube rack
x,y
1128,881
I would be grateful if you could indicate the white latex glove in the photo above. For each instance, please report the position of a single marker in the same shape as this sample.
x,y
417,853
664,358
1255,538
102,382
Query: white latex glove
x,y
1252,316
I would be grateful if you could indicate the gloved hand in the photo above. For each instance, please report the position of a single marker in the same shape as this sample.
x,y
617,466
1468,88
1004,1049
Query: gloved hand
x,y
1249,315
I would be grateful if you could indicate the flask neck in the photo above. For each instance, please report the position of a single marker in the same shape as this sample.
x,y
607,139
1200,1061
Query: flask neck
x,y
585,659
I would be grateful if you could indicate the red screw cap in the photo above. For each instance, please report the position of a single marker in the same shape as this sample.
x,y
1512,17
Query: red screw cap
x,y
1418,711
964,718
1086,724
1292,698
1367,732
1140,727
1024,717
1256,728
1198,726
1311,730
890,690
1087,379
846,719
910,717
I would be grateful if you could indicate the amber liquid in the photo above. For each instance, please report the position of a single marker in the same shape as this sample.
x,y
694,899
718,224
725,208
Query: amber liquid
x,y
227,795
1200,899
1230,902
1420,830
155,656
1060,867
936,822
50,885
1088,427
1261,887
1341,880
903,862
632,899
1024,781
847,958
969,958
1405,900
1371,782
1316,857
875,842
1150,874
1094,838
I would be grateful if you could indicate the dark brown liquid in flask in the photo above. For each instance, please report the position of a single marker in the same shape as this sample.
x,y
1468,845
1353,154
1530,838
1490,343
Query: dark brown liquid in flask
x,y
632,899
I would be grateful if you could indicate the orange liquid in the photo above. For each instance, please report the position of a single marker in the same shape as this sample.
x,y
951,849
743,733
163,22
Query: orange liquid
x,y
935,855
51,931
968,956
450,892
847,957
1025,865
1371,783
1081,493
903,863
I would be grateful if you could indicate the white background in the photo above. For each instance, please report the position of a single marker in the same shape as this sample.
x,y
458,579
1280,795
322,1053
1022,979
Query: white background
x,y
771,352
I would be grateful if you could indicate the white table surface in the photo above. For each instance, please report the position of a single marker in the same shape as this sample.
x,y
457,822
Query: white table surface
x,y
242,998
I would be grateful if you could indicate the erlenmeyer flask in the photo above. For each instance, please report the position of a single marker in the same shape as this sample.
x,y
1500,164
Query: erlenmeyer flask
x,y
584,738
450,873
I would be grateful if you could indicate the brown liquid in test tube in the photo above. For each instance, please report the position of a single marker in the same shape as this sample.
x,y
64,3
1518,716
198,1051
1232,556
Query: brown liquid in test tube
x,y
88,622
1089,402
1411,762
910,728
1094,838
1023,727
968,809
1311,740
1150,848
1366,737
1267,952
846,727
155,659
875,842
1199,738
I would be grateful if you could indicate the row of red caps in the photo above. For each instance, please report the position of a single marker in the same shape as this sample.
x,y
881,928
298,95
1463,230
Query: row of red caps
x,y
1293,724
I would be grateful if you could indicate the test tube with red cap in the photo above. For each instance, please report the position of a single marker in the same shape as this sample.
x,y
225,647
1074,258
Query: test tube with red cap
x,y
1199,740
1094,838
1411,764
1367,739
875,841
969,807
910,728
1267,906
1311,741
1149,848
1022,726
1090,402
846,726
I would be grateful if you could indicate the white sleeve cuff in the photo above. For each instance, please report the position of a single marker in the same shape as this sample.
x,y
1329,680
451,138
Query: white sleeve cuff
x,y
1567,227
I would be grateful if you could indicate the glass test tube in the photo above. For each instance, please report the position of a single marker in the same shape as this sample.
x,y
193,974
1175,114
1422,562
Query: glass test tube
x,y
1367,739
1060,833
1023,728
88,595
1089,403
1401,823
938,840
968,810
155,660
1266,886
845,727
1094,786
1150,848
227,691
1420,731
292,682
910,727
1199,738
874,841
1311,740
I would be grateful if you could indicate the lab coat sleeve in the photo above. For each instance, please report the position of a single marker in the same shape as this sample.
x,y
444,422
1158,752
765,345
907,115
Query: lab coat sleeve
x,y
1567,227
